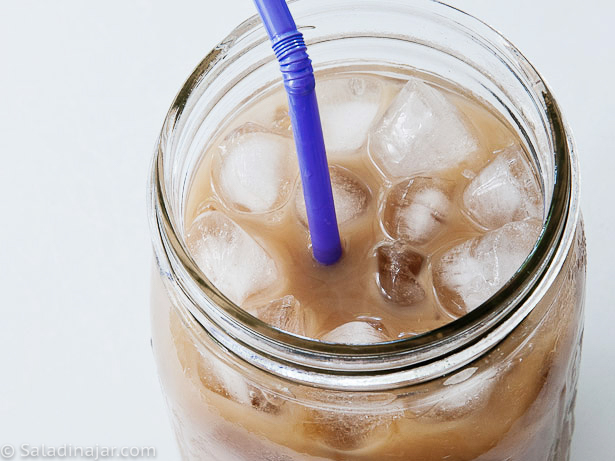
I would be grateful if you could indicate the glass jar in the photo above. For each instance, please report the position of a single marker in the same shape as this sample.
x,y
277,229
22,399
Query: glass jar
x,y
497,384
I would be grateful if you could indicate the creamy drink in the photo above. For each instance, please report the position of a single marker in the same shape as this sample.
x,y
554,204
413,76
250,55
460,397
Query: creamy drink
x,y
437,202
450,329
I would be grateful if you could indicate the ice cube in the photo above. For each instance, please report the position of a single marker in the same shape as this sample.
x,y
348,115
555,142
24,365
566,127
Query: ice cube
x,y
350,195
398,266
284,313
356,332
347,431
281,121
469,273
417,209
256,169
352,420
225,380
348,107
461,394
505,190
230,258
421,131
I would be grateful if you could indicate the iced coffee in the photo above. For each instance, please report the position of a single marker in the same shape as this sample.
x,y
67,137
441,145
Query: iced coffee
x,y
449,330
437,202
438,206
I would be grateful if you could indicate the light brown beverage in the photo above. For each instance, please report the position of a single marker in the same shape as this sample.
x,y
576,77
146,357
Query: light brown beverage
x,y
395,228
400,276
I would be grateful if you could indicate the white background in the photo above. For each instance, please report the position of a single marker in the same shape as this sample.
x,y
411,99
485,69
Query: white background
x,y
84,88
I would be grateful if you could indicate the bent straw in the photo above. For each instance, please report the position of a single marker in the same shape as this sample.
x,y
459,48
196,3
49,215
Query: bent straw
x,y
296,67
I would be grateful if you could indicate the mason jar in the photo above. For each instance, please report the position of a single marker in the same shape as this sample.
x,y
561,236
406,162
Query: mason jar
x,y
498,384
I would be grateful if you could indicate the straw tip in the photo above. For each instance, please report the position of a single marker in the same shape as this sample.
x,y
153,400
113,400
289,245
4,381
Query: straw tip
x,y
328,257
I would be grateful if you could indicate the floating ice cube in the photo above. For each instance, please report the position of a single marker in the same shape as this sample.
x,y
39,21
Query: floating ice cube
x,y
256,170
461,394
350,195
421,131
398,266
352,420
229,381
220,377
417,209
230,258
356,332
348,107
281,121
347,431
284,313
469,273
505,190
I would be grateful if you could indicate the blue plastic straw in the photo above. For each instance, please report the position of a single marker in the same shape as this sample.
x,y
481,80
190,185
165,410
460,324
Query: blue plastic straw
x,y
299,82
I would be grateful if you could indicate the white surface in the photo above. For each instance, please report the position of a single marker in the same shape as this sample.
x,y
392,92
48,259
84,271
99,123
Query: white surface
x,y
84,87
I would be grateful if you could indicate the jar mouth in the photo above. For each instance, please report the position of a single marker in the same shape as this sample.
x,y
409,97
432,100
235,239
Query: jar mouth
x,y
413,358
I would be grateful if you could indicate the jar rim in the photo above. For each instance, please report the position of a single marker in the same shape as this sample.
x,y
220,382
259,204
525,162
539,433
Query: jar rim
x,y
458,341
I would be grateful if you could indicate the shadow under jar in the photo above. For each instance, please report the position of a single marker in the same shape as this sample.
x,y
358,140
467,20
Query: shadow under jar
x,y
498,384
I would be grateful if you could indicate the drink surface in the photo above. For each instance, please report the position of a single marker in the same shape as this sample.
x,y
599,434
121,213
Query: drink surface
x,y
437,201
